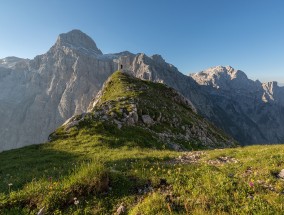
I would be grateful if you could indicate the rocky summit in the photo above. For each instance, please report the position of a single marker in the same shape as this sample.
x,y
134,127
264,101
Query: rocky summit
x,y
39,95
126,102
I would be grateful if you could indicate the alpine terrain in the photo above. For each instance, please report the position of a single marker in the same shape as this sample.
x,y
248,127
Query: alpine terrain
x,y
135,151
39,95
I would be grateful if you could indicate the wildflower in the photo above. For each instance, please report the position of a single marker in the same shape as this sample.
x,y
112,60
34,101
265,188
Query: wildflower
x,y
10,184
250,196
251,184
76,201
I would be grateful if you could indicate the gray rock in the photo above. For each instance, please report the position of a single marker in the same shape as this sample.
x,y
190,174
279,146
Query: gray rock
x,y
281,174
135,116
147,119
175,147
41,211
121,210
118,123
130,120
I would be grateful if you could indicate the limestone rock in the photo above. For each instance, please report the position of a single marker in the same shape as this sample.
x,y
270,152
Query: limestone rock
x,y
41,211
281,174
37,96
121,210
147,119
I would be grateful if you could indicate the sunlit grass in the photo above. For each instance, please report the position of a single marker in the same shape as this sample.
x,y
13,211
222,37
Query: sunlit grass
x,y
94,168
53,174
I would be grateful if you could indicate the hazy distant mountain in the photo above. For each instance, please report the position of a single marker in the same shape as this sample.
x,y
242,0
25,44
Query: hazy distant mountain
x,y
256,109
38,95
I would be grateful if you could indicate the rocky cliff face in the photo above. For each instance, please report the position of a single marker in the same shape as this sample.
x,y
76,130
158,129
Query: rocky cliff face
x,y
256,109
40,94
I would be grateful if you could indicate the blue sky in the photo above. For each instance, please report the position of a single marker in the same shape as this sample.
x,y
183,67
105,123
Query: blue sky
x,y
191,34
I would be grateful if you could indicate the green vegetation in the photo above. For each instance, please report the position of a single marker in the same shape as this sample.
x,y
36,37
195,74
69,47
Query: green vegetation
x,y
95,167
123,94
86,166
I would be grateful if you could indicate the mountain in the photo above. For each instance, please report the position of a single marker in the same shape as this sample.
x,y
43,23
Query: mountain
x,y
256,109
39,95
250,111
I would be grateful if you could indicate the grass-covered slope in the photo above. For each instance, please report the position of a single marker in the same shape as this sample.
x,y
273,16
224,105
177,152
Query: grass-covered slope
x,y
146,181
108,160
151,108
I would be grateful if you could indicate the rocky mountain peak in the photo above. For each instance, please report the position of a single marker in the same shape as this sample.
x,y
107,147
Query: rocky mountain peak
x,y
221,76
76,39
13,62
158,58
226,72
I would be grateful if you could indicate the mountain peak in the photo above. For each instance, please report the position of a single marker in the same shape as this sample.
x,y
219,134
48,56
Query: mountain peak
x,y
78,40
221,76
226,72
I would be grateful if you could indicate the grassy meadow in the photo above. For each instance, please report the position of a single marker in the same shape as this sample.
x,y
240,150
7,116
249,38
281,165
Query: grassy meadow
x,y
98,169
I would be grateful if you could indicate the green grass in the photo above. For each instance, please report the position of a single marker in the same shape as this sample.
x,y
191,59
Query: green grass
x,y
161,103
53,174
95,167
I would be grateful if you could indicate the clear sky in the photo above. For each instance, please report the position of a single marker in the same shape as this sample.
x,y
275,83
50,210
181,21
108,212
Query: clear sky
x,y
191,34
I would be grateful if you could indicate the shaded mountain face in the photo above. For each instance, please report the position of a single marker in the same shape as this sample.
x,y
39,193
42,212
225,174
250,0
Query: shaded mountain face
x,y
127,103
39,95
256,109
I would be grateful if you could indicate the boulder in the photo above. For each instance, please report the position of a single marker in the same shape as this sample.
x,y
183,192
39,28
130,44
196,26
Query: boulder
x,y
147,120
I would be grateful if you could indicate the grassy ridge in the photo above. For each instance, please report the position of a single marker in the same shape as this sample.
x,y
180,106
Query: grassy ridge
x,y
95,167
103,171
